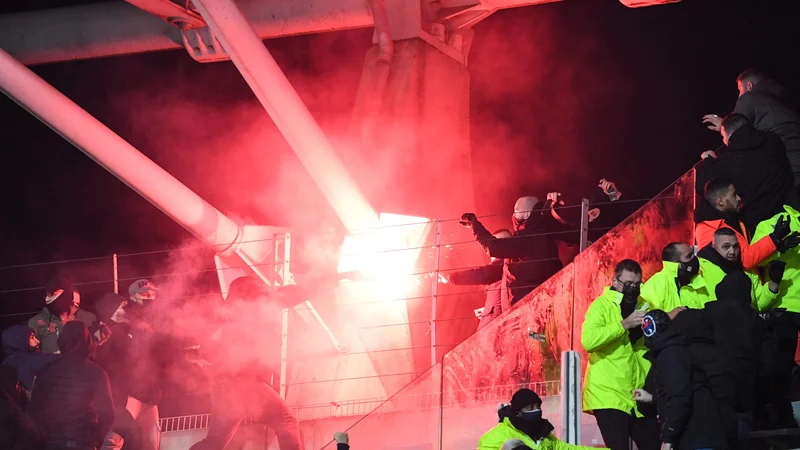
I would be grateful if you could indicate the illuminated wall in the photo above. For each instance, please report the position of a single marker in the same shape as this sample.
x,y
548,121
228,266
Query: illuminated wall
x,y
489,366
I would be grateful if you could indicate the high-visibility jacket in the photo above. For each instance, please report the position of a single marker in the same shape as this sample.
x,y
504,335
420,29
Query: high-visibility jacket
x,y
789,293
616,367
760,294
752,254
504,431
661,290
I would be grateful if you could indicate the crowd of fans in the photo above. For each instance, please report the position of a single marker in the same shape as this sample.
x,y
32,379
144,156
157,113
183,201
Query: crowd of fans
x,y
695,357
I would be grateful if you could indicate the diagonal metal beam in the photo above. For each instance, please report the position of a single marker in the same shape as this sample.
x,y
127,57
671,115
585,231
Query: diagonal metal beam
x,y
287,110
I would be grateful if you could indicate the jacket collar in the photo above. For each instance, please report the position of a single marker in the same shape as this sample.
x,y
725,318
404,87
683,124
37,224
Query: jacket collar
x,y
671,270
616,297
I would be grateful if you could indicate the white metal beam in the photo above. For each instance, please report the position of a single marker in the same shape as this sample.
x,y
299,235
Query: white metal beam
x,y
117,28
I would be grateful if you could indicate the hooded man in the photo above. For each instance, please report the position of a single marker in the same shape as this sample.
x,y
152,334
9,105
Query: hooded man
x,y
16,430
71,401
725,212
115,356
530,255
724,256
238,367
490,275
679,283
770,108
688,412
612,336
523,420
154,351
755,162
18,342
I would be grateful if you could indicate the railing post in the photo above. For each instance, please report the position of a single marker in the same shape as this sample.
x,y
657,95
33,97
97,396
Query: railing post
x,y
284,349
435,290
571,404
584,224
115,263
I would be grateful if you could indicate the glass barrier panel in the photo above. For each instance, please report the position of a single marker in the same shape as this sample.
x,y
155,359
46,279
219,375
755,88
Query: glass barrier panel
x,y
409,419
521,348
641,237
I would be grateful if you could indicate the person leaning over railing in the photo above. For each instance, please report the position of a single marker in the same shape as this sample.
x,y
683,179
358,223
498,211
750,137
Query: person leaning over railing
x,y
784,316
523,420
530,254
489,275
612,336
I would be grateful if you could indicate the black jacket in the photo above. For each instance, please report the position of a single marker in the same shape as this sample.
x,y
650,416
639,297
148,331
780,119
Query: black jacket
x,y
756,163
769,107
71,398
735,327
689,374
16,430
491,276
530,255
18,355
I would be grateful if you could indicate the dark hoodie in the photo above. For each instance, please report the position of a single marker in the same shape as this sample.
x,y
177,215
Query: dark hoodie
x,y
530,254
20,357
71,398
756,163
114,356
770,107
687,410
16,430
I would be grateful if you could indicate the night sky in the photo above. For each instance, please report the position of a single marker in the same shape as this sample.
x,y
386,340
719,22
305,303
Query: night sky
x,y
563,94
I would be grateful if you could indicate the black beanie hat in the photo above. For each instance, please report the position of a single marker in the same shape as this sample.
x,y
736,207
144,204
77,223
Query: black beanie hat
x,y
654,324
523,398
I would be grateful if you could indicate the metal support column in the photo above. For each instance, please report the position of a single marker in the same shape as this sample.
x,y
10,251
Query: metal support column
x,y
435,291
584,224
115,262
287,110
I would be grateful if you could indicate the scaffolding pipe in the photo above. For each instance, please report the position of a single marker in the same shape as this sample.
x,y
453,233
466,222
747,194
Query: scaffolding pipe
x,y
116,155
287,110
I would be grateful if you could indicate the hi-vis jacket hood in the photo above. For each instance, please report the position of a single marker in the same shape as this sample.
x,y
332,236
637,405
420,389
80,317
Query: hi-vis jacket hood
x,y
661,290
504,431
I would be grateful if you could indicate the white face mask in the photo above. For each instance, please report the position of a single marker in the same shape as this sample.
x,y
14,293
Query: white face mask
x,y
120,315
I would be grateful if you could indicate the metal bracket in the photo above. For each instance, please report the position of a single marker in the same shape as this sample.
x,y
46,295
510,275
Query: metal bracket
x,y
203,46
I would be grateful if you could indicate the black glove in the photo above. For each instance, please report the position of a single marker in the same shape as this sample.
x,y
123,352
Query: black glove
x,y
781,229
775,270
467,219
789,242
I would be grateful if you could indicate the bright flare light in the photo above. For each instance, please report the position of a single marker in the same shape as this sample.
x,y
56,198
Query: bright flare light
x,y
386,255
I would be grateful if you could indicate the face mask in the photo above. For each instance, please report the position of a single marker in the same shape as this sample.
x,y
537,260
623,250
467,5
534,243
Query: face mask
x,y
689,269
531,416
120,316
630,292
517,222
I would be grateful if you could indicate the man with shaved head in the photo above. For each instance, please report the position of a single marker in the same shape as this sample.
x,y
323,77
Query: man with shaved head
x,y
530,255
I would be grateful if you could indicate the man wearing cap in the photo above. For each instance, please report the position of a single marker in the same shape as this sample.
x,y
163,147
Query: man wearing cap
x,y
62,304
144,409
523,420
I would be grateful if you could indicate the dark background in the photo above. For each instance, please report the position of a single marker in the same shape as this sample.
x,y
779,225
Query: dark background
x,y
563,94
